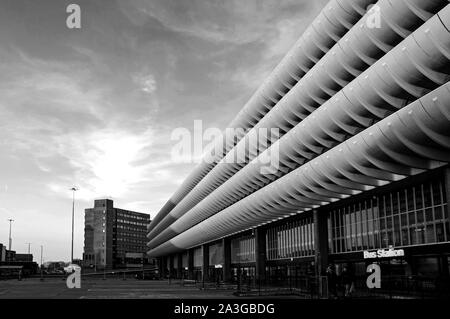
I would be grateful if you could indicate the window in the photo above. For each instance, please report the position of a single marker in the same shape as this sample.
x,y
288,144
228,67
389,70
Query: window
x,y
412,216
293,239
243,249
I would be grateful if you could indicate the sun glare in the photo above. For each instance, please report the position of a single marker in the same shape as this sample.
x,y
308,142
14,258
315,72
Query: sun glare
x,y
112,158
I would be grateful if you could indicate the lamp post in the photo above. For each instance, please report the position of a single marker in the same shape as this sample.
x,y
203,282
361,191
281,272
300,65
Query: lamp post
x,y
29,245
42,249
143,269
73,189
10,239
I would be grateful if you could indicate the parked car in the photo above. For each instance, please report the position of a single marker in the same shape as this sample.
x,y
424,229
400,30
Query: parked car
x,y
148,276
71,268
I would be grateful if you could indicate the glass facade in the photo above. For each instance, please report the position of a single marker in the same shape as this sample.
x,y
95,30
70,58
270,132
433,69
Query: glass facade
x,y
411,216
184,260
216,254
243,250
291,240
243,274
175,261
198,257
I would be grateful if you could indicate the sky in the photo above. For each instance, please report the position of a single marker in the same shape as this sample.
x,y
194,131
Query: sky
x,y
95,107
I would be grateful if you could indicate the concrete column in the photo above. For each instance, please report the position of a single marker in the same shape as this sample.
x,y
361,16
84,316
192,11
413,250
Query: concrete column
x,y
180,265
320,249
447,188
191,264
159,263
446,191
205,264
320,242
162,265
166,266
226,243
444,260
171,266
260,254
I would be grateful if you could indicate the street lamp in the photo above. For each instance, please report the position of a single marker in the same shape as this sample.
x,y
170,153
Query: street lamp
x,y
29,245
73,189
42,275
10,239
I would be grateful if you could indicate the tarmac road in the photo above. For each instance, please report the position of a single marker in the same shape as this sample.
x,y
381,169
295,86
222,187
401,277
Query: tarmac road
x,y
96,288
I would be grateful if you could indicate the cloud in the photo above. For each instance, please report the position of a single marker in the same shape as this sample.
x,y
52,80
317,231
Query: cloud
x,y
247,38
68,130
95,108
232,21
147,83
43,95
103,161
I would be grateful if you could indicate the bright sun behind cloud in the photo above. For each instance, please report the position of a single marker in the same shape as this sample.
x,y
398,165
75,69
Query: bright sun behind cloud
x,y
111,158
95,108
112,163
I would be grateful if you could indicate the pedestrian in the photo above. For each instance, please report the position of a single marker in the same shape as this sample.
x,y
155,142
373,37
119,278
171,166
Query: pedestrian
x,y
332,280
348,281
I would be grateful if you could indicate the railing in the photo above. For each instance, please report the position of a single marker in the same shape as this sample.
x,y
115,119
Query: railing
x,y
311,287
147,273
417,287
138,273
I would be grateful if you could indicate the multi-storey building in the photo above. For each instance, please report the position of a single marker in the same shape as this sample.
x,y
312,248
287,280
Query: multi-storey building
x,y
114,237
2,253
362,104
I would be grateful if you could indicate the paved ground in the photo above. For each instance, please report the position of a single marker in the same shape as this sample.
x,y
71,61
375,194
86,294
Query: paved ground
x,y
55,288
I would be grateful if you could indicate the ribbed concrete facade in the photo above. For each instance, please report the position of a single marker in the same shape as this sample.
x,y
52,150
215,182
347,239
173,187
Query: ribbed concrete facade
x,y
358,107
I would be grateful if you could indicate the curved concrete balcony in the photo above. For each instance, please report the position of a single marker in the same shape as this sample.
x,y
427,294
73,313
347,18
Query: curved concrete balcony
x,y
402,75
331,24
412,140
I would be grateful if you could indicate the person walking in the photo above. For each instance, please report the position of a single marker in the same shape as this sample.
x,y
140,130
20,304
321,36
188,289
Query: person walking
x,y
348,281
332,281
